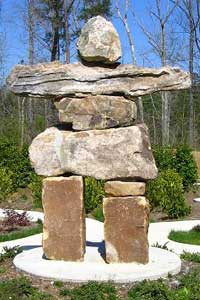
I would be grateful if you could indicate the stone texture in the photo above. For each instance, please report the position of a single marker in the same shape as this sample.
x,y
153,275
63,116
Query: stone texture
x,y
99,41
97,112
64,222
124,188
102,154
126,229
55,80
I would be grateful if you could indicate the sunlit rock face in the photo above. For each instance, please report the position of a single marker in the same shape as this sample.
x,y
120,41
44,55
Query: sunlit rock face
x,y
126,229
99,41
102,154
64,220
97,112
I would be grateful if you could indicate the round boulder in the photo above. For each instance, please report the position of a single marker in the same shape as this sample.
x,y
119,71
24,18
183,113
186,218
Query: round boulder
x,y
99,41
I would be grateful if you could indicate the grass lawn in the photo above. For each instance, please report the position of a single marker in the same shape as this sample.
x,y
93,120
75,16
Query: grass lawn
x,y
14,235
186,237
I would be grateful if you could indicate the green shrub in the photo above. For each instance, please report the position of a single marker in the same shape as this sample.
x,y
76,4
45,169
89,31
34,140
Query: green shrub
x,y
21,288
164,157
6,183
185,165
195,257
190,285
98,213
17,161
93,193
179,159
167,193
10,252
91,291
36,190
150,290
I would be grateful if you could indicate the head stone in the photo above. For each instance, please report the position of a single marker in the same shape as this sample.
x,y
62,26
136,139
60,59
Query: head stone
x,y
99,42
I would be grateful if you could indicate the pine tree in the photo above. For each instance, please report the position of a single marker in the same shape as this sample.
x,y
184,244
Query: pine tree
x,y
94,8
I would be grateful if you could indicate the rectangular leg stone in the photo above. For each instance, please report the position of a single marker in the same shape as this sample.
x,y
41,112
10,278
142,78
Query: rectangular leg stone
x,y
124,188
126,229
64,220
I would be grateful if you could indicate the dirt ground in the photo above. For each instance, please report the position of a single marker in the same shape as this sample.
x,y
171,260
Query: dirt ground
x,y
158,216
21,199
48,285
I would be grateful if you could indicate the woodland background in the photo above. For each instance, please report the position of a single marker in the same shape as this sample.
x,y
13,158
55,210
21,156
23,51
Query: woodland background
x,y
171,29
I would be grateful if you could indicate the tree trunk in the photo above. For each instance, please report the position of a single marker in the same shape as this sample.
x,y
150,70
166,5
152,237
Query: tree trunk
x,y
31,30
56,36
165,96
22,123
66,31
166,99
191,70
31,61
140,110
54,51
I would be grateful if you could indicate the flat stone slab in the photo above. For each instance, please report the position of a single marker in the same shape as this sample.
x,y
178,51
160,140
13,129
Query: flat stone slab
x,y
124,188
162,263
55,80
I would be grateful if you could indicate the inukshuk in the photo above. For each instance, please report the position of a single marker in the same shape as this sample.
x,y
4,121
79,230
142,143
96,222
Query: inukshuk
x,y
96,96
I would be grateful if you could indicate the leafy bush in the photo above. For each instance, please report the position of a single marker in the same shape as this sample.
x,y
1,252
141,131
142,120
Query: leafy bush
x,y
15,160
194,257
10,252
167,193
98,213
164,157
6,183
36,189
94,192
179,159
21,288
185,165
190,285
19,234
150,290
13,218
91,291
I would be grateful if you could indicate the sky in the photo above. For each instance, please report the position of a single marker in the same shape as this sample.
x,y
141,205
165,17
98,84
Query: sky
x,y
15,38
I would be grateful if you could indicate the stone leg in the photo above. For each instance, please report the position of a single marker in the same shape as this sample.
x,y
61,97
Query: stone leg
x,y
64,220
126,229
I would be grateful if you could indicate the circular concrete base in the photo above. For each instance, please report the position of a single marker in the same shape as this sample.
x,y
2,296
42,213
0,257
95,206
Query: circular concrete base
x,y
196,200
94,268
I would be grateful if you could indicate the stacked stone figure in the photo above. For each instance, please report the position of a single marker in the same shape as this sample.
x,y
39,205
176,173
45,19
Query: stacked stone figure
x,y
96,96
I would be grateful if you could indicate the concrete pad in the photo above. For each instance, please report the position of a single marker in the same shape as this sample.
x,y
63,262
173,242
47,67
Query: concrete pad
x,y
158,233
161,264
196,200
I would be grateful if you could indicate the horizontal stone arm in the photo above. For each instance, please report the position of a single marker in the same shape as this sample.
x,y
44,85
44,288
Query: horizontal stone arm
x,y
56,80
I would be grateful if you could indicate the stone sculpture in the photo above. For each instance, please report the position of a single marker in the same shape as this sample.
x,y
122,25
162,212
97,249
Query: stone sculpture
x,y
96,96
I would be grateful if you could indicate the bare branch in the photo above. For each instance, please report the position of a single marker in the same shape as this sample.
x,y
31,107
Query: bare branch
x,y
125,22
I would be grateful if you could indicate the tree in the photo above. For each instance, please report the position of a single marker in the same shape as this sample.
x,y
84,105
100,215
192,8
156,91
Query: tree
x,y
190,9
124,18
92,8
31,30
158,42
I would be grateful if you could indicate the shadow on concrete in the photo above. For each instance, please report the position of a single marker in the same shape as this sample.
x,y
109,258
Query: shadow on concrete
x,y
100,246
